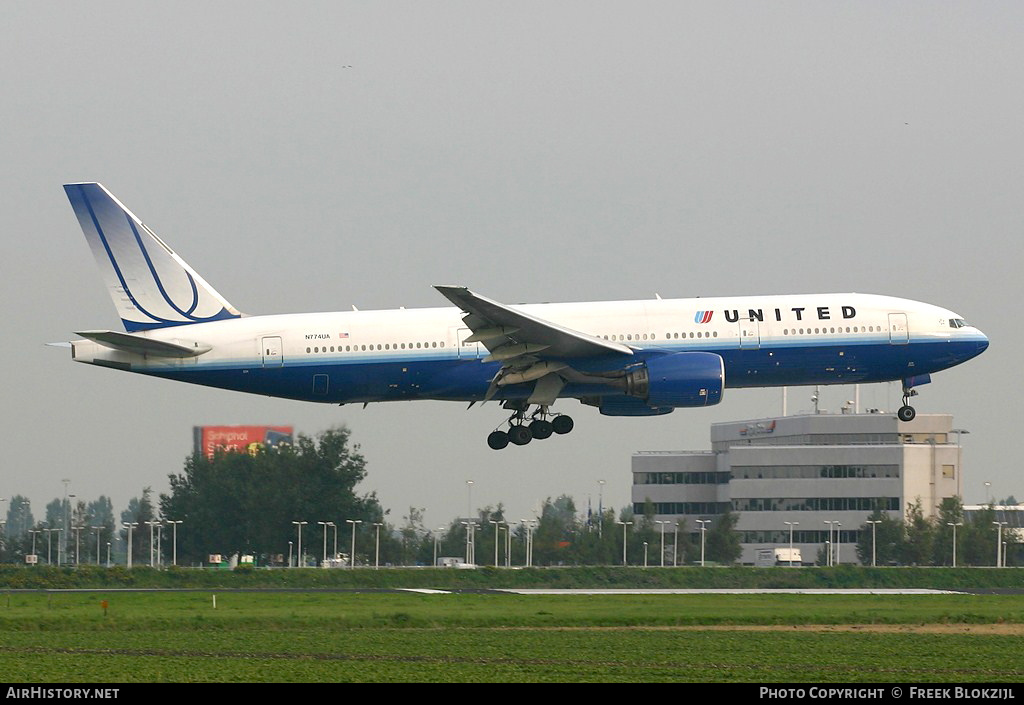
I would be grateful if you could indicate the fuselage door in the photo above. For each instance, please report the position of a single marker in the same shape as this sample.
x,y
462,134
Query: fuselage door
x,y
273,355
750,334
467,351
899,333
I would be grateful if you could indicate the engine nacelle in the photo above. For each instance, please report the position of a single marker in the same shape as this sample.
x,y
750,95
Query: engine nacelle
x,y
678,380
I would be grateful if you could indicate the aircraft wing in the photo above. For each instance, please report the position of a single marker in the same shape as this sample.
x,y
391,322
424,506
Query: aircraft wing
x,y
510,334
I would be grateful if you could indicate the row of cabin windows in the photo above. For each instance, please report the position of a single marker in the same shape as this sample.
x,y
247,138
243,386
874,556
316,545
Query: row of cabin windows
x,y
377,346
714,334
651,336
620,336
849,329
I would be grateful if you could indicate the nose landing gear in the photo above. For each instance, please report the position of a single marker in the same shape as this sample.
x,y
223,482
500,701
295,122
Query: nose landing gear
x,y
906,412
539,427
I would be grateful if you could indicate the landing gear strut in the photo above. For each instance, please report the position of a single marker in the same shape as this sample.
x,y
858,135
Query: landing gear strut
x,y
906,412
520,432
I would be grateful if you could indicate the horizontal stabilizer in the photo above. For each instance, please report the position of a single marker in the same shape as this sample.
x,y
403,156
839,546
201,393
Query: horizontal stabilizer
x,y
141,345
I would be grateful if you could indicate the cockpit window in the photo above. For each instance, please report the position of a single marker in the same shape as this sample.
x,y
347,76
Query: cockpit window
x,y
957,323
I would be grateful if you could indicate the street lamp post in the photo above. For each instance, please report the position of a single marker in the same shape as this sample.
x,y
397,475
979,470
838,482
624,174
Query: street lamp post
x,y
828,554
838,544
645,554
376,560
97,530
791,524
352,556
130,525
323,561
436,537
703,530
152,546
624,525
662,540
174,540
298,550
954,525
875,523
999,543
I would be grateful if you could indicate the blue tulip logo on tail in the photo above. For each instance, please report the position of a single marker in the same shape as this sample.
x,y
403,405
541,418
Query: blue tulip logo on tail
x,y
151,286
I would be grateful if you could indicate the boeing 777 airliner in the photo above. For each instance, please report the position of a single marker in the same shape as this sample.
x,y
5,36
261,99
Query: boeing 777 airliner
x,y
627,358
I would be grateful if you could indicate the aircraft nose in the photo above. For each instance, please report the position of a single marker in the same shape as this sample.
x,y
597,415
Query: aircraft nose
x,y
983,343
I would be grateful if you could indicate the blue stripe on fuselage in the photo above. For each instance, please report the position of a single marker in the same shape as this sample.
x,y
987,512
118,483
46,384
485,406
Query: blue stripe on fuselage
x,y
443,376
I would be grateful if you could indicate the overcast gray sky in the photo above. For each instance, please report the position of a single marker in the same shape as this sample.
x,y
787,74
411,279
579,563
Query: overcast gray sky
x,y
310,156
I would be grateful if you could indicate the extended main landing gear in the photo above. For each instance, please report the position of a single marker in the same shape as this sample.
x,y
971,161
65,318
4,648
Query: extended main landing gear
x,y
520,432
906,412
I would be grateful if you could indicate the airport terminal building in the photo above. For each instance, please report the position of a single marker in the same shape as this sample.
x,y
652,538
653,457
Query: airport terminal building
x,y
819,475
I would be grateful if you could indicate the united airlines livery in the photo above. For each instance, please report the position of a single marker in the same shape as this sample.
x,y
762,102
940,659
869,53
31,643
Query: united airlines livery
x,y
627,358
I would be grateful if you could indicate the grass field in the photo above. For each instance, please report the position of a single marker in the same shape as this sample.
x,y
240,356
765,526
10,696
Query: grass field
x,y
346,637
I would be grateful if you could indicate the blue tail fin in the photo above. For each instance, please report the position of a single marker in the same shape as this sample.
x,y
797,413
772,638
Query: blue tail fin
x,y
150,285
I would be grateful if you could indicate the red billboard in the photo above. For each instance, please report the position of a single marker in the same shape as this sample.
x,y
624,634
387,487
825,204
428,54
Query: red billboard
x,y
239,439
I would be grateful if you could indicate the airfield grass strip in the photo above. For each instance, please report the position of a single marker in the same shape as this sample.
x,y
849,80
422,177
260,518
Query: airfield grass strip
x,y
342,637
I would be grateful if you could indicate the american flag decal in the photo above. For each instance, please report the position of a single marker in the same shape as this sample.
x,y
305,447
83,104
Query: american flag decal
x,y
703,317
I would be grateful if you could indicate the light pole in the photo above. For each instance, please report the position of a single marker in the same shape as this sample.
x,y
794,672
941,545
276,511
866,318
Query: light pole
x,y
352,556
662,540
323,561
959,459
645,554
130,525
999,543
376,560
791,525
493,521
67,521
469,499
875,523
298,550
828,555
838,544
49,544
436,536
290,544
78,544
335,527
174,540
954,525
34,532
624,525
152,546
528,524
703,530
108,554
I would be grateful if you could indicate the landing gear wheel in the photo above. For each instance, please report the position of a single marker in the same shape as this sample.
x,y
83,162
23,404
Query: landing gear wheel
x,y
562,424
906,413
497,440
541,429
520,435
